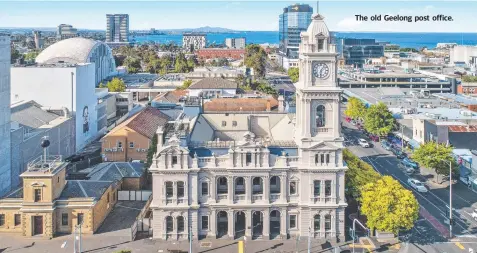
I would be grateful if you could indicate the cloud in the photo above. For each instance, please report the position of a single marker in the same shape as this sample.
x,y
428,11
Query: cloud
x,y
349,23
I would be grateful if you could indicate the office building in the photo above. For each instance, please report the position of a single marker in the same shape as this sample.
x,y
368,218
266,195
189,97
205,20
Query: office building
x,y
356,51
463,55
65,31
117,28
38,39
193,41
261,175
5,144
237,43
294,20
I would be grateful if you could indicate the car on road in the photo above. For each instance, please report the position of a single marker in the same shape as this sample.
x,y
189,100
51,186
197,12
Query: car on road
x,y
406,161
474,214
417,185
374,138
385,145
363,143
398,153
408,170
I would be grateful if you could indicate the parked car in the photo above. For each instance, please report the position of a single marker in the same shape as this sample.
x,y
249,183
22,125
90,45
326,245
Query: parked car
x,y
417,185
408,162
385,145
348,119
408,170
474,214
374,138
398,153
363,143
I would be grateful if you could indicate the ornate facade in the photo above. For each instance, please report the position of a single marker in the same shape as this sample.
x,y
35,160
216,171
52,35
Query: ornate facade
x,y
263,175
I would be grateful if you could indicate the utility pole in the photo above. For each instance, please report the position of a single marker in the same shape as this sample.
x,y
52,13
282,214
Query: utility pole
x,y
309,239
450,199
190,236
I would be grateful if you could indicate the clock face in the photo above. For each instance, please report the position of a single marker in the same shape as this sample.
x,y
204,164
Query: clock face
x,y
321,70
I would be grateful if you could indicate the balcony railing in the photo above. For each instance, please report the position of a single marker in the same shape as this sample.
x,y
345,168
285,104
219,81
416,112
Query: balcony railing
x,y
239,198
325,200
257,197
274,197
222,197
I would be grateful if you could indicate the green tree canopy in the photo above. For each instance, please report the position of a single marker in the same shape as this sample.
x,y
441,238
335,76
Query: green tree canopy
x,y
435,156
116,85
379,120
355,108
358,175
266,88
185,85
388,206
31,56
133,64
294,73
180,64
256,58
469,79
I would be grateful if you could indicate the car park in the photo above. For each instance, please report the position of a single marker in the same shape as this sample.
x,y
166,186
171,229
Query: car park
x,y
363,143
417,185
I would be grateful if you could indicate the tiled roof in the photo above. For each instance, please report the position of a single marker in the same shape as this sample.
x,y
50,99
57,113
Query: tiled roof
x,y
84,189
214,83
171,96
31,115
144,122
113,171
240,104
470,128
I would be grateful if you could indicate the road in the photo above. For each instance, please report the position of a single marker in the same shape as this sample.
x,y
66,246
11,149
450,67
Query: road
x,y
431,229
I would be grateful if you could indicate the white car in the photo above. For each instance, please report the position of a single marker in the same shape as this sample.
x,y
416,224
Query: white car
x,y
363,143
474,214
416,184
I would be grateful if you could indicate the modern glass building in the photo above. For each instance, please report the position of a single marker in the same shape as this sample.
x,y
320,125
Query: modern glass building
x,y
117,27
295,19
356,51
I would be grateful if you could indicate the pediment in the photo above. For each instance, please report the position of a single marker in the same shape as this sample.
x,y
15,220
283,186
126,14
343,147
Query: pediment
x,y
174,150
323,146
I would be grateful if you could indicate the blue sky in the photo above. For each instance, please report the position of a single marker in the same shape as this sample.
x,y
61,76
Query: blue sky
x,y
238,15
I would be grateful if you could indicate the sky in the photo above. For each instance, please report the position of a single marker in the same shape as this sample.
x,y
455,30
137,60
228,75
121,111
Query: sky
x,y
238,15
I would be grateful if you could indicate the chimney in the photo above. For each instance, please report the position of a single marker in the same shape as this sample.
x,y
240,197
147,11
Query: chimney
x,y
160,138
269,107
281,106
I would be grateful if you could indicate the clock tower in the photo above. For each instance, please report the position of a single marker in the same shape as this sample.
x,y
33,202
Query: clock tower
x,y
318,94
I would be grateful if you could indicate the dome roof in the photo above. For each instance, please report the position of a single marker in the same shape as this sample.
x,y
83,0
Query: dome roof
x,y
317,27
73,50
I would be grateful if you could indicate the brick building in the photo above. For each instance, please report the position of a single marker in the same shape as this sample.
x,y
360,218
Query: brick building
x,y
211,53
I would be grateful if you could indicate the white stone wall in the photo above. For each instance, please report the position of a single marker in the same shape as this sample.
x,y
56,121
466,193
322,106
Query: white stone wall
x,y
5,156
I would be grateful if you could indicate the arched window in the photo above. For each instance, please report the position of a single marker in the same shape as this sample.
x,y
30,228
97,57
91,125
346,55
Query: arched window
x,y
316,223
327,222
169,189
320,116
180,189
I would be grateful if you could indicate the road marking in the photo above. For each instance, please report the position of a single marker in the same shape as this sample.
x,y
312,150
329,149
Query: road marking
x,y
459,245
388,162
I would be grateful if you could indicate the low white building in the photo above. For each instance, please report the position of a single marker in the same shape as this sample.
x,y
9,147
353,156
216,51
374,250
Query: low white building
x,y
211,87
58,86
462,54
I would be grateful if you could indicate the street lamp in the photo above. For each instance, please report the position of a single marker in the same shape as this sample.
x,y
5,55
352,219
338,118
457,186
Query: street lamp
x,y
450,197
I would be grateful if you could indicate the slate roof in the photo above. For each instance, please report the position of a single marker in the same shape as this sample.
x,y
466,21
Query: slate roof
x,y
84,189
31,115
171,96
144,122
14,194
214,83
113,171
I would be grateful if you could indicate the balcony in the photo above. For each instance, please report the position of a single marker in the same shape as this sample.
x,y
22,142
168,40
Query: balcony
x,y
239,198
222,198
257,198
323,200
274,197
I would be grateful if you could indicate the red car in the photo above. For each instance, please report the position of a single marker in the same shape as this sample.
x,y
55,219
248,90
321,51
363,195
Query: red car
x,y
374,138
348,119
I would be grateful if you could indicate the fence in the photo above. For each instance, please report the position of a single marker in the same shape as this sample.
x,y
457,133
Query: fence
x,y
134,195
143,221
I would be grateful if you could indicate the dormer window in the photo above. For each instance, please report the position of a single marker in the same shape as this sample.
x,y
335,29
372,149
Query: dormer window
x,y
321,44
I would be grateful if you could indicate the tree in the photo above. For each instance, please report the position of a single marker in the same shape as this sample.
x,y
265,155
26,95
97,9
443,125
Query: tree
x,y
266,88
31,56
102,85
180,65
116,85
388,206
133,64
185,85
256,58
151,151
293,73
379,120
14,54
192,62
435,156
355,108
358,175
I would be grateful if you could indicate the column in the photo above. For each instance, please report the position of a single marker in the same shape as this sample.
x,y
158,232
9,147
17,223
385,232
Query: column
x,y
322,224
283,223
186,192
248,223
230,189
213,189
231,224
213,224
248,189
266,224
333,190
266,189
307,116
283,188
252,164
333,224
322,190
174,193
341,185
169,161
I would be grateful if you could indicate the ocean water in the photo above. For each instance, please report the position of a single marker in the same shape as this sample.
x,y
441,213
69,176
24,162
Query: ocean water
x,y
414,40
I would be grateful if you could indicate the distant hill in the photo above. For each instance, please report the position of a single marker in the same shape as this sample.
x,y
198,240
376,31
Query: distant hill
x,y
205,29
